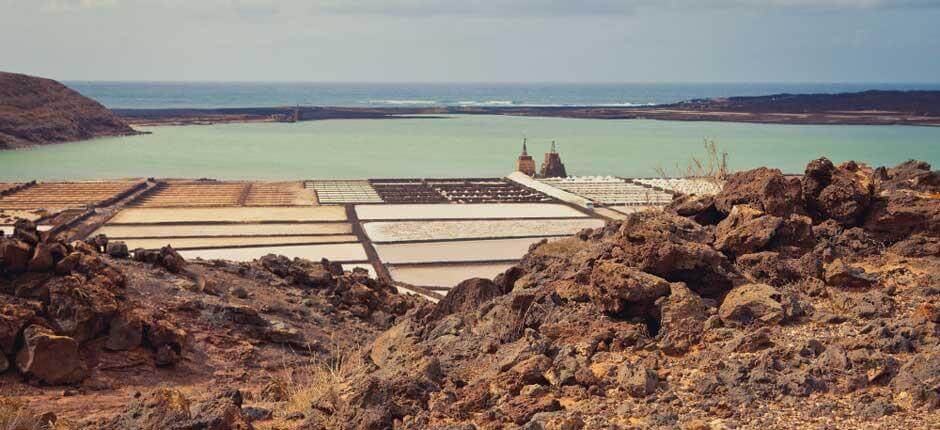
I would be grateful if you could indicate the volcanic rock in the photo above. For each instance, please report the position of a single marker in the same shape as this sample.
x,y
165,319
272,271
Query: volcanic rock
x,y
683,316
745,230
39,111
125,332
763,189
757,304
13,319
117,249
842,275
52,359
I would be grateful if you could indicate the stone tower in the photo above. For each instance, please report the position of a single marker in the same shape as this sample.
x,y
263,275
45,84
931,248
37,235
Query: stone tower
x,y
552,167
525,163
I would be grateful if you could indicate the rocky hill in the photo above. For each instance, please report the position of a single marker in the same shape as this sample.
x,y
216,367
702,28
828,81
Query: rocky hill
x,y
38,111
781,302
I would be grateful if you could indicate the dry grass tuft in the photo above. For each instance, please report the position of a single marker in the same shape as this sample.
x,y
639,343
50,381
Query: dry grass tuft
x,y
15,415
315,389
713,165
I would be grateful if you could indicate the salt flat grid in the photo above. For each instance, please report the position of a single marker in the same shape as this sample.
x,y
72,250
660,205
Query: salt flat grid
x,y
465,211
229,214
181,243
342,191
610,190
277,194
496,250
698,186
446,276
199,193
399,231
222,230
58,195
345,252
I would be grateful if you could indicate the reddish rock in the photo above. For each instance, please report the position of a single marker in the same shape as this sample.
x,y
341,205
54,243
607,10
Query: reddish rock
x,y
16,255
682,320
755,304
42,260
13,319
125,332
618,289
637,380
466,296
167,340
79,308
68,264
842,275
52,359
745,230
763,189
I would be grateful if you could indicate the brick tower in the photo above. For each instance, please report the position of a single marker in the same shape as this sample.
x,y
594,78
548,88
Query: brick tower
x,y
525,163
552,167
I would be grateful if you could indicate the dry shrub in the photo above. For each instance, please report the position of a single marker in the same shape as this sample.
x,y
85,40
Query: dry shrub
x,y
15,415
713,165
315,389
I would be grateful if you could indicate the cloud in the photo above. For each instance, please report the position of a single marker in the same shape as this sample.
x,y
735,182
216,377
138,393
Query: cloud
x,y
587,7
62,5
487,8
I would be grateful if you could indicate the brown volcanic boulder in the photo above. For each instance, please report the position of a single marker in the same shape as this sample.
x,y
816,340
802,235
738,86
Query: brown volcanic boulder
x,y
80,308
42,260
920,378
842,193
757,304
899,214
167,340
36,111
912,175
842,275
617,288
745,230
126,332
13,318
52,359
161,409
15,255
466,296
682,319
674,248
763,189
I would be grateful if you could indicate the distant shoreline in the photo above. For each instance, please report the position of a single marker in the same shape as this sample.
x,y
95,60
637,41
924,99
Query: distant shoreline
x,y
918,108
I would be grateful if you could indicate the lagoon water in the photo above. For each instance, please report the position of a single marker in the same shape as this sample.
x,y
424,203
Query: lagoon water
x,y
457,146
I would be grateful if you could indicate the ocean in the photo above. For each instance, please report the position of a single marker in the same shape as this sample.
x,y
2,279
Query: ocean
x,y
258,94
455,146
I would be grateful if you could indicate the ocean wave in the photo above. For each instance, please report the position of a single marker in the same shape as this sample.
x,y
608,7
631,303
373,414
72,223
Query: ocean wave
x,y
487,103
403,102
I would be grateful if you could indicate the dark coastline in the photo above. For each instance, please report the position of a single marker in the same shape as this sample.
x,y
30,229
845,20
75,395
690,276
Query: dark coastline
x,y
864,108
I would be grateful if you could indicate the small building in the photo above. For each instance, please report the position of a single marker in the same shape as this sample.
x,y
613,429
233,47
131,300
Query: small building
x,y
525,163
552,167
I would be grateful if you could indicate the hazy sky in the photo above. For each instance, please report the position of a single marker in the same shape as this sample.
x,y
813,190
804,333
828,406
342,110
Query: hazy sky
x,y
474,40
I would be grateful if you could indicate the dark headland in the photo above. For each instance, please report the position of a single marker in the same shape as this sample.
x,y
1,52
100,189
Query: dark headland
x,y
37,111
863,108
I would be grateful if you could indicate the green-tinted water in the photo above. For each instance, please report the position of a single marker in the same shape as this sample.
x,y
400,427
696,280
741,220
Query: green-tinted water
x,y
454,147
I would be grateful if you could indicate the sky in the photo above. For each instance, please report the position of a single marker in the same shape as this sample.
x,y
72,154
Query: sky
x,y
473,40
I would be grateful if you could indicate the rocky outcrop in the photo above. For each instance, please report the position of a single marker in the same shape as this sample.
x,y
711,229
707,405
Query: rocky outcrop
x,y
714,314
37,111
73,300
51,359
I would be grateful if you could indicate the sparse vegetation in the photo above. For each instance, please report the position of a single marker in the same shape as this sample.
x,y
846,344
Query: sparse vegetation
x,y
16,415
315,390
713,165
